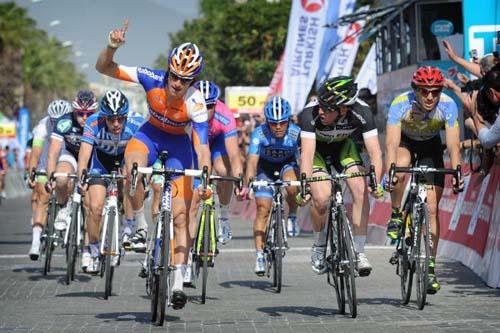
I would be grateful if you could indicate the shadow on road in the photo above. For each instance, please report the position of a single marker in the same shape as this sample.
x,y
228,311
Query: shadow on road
x,y
138,317
28,242
463,281
263,285
37,274
277,311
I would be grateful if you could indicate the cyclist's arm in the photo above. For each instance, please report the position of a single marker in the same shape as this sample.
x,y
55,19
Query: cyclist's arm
x,y
372,145
307,149
489,137
252,161
105,64
233,152
453,145
36,152
84,156
392,141
54,150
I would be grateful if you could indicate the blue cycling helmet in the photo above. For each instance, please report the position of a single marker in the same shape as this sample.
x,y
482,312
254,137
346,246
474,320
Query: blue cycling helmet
x,y
210,91
277,109
114,103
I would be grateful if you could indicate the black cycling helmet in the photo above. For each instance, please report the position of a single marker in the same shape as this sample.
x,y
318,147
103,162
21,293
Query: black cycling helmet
x,y
337,91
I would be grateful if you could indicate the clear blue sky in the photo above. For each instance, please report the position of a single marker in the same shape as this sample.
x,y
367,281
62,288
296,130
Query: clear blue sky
x,y
86,24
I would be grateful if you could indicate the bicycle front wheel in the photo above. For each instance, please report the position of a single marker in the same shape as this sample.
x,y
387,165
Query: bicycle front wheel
x,y
108,248
348,260
49,235
164,270
406,269
278,250
153,277
206,219
422,252
72,246
333,276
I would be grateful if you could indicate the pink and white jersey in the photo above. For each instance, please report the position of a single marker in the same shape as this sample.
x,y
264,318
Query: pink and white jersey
x,y
222,122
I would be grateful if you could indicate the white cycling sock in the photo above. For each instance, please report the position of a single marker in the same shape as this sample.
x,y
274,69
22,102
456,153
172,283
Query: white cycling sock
x,y
141,219
179,277
37,231
360,241
319,238
223,211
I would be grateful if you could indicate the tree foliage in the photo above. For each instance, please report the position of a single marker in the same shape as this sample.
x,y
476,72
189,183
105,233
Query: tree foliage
x,y
240,42
37,68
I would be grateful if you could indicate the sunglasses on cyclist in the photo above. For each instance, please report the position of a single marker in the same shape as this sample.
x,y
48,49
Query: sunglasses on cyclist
x,y
120,119
426,91
278,123
176,77
83,113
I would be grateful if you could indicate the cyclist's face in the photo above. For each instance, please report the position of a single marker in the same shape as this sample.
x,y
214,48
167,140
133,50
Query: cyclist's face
x,y
327,117
177,86
278,130
81,116
115,124
427,98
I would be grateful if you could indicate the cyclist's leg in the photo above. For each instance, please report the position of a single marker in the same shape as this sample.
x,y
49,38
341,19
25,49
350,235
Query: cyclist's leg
x,y
403,159
291,172
64,187
39,216
96,191
320,192
263,201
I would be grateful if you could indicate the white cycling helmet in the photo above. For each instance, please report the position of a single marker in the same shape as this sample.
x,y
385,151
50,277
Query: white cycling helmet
x,y
58,108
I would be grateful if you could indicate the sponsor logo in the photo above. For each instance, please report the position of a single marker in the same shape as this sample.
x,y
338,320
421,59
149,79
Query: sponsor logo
x,y
482,38
220,118
312,5
149,73
64,125
352,33
442,28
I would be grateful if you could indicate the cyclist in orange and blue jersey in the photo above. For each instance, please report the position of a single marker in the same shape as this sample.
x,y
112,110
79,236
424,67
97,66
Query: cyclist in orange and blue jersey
x,y
174,108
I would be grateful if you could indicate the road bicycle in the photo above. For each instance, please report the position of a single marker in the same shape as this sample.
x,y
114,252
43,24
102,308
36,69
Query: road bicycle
x,y
159,261
413,246
341,256
205,244
275,241
110,250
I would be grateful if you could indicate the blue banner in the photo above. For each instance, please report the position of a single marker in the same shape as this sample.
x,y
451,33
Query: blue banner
x,y
23,126
481,25
331,38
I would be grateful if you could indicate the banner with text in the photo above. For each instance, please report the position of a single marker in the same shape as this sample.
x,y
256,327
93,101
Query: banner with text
x,y
332,36
367,76
246,99
345,53
276,85
305,34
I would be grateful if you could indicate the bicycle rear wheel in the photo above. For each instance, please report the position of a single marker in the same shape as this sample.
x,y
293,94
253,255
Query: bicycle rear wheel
x,y
72,246
108,248
422,253
164,270
49,239
406,269
348,258
278,250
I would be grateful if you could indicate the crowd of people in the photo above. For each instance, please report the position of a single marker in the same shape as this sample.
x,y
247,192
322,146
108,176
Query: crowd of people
x,y
188,119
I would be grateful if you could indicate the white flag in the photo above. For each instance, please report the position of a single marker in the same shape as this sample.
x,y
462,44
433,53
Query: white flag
x,y
303,43
367,76
345,53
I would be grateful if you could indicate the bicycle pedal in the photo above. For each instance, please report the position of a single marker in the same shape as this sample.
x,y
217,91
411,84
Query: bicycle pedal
x,y
394,259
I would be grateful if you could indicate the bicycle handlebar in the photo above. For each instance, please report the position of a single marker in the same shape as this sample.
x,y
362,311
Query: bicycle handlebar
x,y
422,170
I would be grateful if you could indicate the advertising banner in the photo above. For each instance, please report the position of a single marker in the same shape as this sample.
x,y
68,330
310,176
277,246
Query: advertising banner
x,y
481,26
246,99
276,85
8,130
345,53
367,76
303,43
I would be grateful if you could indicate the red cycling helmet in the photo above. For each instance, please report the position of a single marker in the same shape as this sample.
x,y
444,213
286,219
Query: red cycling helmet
x,y
85,101
427,76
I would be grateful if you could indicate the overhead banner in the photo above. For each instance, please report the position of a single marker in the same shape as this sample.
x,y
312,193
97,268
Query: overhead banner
x,y
367,76
345,53
336,9
481,26
246,99
303,43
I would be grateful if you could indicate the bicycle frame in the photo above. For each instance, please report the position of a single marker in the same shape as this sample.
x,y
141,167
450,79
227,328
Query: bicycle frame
x,y
111,204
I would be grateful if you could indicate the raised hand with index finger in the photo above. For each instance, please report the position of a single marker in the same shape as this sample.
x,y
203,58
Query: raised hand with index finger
x,y
116,37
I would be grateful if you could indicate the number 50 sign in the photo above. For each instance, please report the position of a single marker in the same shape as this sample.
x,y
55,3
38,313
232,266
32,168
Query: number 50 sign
x,y
246,99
